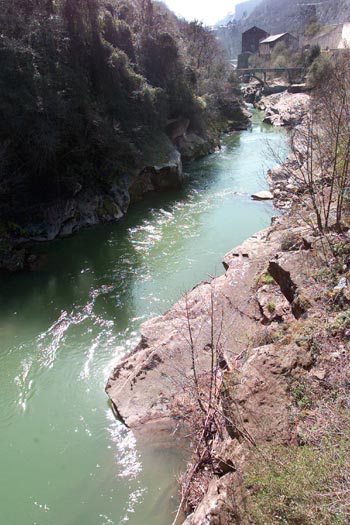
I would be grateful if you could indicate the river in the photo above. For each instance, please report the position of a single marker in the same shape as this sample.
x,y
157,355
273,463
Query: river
x,y
64,458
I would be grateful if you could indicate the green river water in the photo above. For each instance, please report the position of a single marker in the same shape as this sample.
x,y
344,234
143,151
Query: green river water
x,y
64,458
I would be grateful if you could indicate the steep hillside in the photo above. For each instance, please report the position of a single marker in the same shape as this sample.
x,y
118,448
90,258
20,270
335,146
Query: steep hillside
x,y
242,10
278,16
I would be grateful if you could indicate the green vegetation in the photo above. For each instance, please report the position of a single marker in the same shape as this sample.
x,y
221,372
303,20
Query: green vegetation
x,y
320,70
267,278
300,395
312,29
271,307
301,485
88,86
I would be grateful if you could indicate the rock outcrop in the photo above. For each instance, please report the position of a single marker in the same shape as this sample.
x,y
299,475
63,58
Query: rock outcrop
x,y
144,382
86,206
258,404
284,109
89,207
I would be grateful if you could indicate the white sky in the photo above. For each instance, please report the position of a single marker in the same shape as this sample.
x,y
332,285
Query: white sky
x,y
208,11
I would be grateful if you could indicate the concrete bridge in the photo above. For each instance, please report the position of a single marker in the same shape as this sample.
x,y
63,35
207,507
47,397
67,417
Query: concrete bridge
x,y
249,73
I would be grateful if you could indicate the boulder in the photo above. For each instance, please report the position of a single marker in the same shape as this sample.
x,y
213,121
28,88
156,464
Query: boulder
x,y
262,196
176,128
168,174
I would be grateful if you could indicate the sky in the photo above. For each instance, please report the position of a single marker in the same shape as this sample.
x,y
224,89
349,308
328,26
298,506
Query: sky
x,y
208,11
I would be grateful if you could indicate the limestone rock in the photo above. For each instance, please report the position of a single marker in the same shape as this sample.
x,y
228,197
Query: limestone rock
x,y
168,174
192,146
258,403
274,306
176,128
342,285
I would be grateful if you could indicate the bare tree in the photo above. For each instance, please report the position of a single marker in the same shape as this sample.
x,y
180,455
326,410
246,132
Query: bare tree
x,y
321,149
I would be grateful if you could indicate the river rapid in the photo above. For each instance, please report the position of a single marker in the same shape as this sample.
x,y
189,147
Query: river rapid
x,y
64,458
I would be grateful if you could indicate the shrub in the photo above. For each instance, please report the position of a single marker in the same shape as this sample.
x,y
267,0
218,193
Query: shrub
x,y
271,307
267,278
289,242
313,53
320,71
312,29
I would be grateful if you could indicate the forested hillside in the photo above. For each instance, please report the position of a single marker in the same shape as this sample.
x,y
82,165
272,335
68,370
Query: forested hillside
x,y
89,89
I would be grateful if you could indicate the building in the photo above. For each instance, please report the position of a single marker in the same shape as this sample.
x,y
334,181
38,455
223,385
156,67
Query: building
x,y
268,44
330,38
250,45
251,39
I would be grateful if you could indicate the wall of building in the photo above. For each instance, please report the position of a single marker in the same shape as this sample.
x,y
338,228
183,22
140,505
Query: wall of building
x,y
337,37
251,39
289,40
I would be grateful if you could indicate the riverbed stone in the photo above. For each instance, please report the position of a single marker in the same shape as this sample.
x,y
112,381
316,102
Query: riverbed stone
x,y
262,196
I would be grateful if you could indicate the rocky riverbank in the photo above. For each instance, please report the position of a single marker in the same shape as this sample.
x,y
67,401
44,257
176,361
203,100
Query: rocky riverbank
x,y
276,325
271,333
284,109
261,292
233,292
253,312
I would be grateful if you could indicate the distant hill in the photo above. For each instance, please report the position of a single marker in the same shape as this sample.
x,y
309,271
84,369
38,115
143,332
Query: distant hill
x,y
244,9
278,16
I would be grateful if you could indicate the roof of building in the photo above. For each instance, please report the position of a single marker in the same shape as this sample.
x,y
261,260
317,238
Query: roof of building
x,y
255,27
272,38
